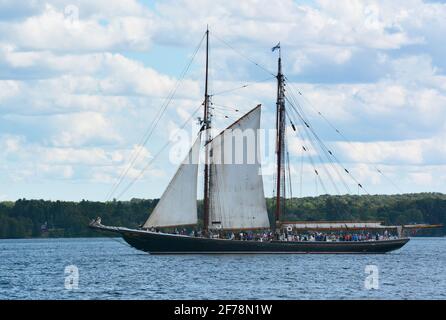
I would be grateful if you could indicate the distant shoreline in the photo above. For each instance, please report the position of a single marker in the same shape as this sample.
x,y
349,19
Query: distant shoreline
x,y
37,219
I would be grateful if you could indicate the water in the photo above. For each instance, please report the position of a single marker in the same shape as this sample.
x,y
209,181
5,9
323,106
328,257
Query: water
x,y
108,269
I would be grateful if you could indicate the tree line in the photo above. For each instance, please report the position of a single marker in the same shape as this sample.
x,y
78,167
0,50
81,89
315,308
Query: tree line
x,y
41,218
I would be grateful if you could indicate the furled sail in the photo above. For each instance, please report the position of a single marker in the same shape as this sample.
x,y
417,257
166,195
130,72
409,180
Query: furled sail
x,y
178,204
237,199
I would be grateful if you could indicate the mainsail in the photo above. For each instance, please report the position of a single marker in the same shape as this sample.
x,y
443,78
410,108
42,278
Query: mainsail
x,y
237,199
178,204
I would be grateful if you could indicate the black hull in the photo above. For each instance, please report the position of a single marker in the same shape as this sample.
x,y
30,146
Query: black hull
x,y
162,243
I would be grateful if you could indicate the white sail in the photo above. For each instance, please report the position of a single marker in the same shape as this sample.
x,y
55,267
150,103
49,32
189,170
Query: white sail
x,y
237,199
178,204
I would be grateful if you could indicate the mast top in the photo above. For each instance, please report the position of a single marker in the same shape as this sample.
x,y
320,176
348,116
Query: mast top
x,y
277,47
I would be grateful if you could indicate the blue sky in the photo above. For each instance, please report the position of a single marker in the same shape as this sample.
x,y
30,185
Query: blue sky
x,y
80,82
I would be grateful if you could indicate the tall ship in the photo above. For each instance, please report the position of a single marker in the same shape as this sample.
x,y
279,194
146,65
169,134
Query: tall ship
x,y
235,218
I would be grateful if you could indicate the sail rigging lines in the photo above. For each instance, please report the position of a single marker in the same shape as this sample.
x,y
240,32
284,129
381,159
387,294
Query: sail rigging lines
x,y
246,85
161,111
290,185
224,108
244,56
221,113
325,152
341,134
156,155
313,163
309,129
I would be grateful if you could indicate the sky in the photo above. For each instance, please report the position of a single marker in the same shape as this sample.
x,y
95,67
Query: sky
x,y
81,82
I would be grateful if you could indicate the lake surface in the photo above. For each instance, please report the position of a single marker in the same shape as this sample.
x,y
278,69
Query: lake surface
x,y
109,269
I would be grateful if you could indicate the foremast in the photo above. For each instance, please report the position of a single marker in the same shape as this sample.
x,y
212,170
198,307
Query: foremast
x,y
280,143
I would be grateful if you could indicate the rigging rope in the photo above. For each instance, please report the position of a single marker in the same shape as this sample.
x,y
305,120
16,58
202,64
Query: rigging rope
x,y
225,108
324,151
243,86
305,121
135,154
306,149
289,173
320,158
156,156
244,56
301,172
342,135
220,113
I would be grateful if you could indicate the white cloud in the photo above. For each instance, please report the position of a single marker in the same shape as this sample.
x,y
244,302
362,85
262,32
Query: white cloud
x,y
24,160
401,106
8,89
11,144
71,89
417,152
60,30
87,82
83,128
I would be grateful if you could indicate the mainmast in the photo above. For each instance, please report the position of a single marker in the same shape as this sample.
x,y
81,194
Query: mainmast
x,y
206,127
280,143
